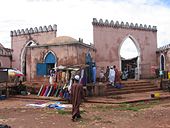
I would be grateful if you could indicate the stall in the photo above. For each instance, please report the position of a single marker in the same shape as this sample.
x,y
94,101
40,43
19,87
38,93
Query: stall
x,y
3,83
61,79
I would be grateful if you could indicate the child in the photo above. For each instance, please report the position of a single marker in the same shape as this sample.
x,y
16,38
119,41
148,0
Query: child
x,y
101,76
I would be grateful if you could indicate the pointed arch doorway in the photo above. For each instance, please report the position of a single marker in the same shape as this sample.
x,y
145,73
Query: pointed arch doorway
x,y
129,57
162,62
50,60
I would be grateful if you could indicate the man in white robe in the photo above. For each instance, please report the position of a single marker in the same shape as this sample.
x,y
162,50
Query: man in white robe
x,y
111,75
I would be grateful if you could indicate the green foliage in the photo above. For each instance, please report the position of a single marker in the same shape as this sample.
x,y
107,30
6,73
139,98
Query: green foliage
x,y
103,107
64,112
127,106
136,106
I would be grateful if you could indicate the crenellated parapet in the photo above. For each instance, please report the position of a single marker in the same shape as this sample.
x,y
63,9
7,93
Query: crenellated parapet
x,y
163,48
34,30
123,25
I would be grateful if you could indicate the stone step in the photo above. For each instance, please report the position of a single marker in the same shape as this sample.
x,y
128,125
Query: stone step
x,y
130,87
118,92
136,83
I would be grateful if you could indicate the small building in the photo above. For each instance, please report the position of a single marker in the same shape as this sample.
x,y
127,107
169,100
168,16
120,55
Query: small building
x,y
64,50
36,51
163,58
5,57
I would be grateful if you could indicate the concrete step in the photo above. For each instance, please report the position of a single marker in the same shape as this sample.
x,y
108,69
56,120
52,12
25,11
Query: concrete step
x,y
130,87
136,83
119,92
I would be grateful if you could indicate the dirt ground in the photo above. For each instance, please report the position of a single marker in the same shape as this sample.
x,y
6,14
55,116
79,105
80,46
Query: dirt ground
x,y
150,114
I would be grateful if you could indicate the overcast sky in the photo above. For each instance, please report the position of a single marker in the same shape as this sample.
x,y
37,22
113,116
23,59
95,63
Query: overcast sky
x,y
74,17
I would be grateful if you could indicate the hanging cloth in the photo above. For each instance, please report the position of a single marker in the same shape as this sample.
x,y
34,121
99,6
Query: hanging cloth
x,y
94,74
81,76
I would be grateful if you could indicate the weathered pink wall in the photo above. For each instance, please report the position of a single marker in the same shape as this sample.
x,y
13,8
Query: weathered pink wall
x,y
166,53
20,38
108,38
68,54
5,61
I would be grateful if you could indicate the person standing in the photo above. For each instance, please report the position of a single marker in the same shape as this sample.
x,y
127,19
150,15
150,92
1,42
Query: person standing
x,y
136,74
107,73
76,97
101,76
117,75
111,75
51,81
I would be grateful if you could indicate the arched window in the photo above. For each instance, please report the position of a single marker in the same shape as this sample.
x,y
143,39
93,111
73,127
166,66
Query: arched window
x,y
50,58
162,62
50,61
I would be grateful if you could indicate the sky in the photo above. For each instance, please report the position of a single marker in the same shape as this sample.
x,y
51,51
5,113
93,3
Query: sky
x,y
74,17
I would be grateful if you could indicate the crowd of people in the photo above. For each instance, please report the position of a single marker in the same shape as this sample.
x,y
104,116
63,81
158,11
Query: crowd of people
x,y
112,75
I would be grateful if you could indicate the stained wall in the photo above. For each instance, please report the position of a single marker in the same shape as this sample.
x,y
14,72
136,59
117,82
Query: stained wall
x,y
109,36
67,54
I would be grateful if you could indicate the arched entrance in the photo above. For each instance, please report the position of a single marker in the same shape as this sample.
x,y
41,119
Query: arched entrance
x,y
23,55
162,62
129,56
50,60
108,37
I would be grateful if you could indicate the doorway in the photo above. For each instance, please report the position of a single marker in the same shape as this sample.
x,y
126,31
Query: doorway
x,y
129,57
162,62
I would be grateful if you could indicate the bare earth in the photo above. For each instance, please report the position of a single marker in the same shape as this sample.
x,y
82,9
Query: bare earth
x,y
155,114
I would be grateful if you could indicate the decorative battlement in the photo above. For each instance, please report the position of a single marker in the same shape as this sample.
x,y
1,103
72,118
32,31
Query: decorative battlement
x,y
123,25
164,48
35,30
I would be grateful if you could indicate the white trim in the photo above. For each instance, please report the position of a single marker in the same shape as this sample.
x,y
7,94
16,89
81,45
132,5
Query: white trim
x,y
23,52
52,53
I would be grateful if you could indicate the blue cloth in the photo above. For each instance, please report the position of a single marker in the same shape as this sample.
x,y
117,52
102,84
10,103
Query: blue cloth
x,y
88,58
94,74
118,86
56,106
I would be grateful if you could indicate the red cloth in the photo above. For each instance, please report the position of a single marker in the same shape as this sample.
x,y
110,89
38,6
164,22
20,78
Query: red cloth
x,y
117,76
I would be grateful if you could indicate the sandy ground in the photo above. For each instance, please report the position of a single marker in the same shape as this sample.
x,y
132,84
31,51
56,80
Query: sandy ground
x,y
154,114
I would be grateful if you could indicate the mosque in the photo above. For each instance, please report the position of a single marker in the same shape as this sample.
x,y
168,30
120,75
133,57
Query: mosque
x,y
35,51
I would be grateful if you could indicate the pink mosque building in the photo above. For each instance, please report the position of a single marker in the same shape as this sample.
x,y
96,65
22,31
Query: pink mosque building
x,y
36,49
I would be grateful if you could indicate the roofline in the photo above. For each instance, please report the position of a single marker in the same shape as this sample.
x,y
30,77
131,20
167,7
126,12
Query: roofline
x,y
163,48
60,44
127,25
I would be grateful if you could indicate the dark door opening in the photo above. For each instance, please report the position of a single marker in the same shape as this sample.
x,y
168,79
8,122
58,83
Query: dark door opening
x,y
129,65
162,63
